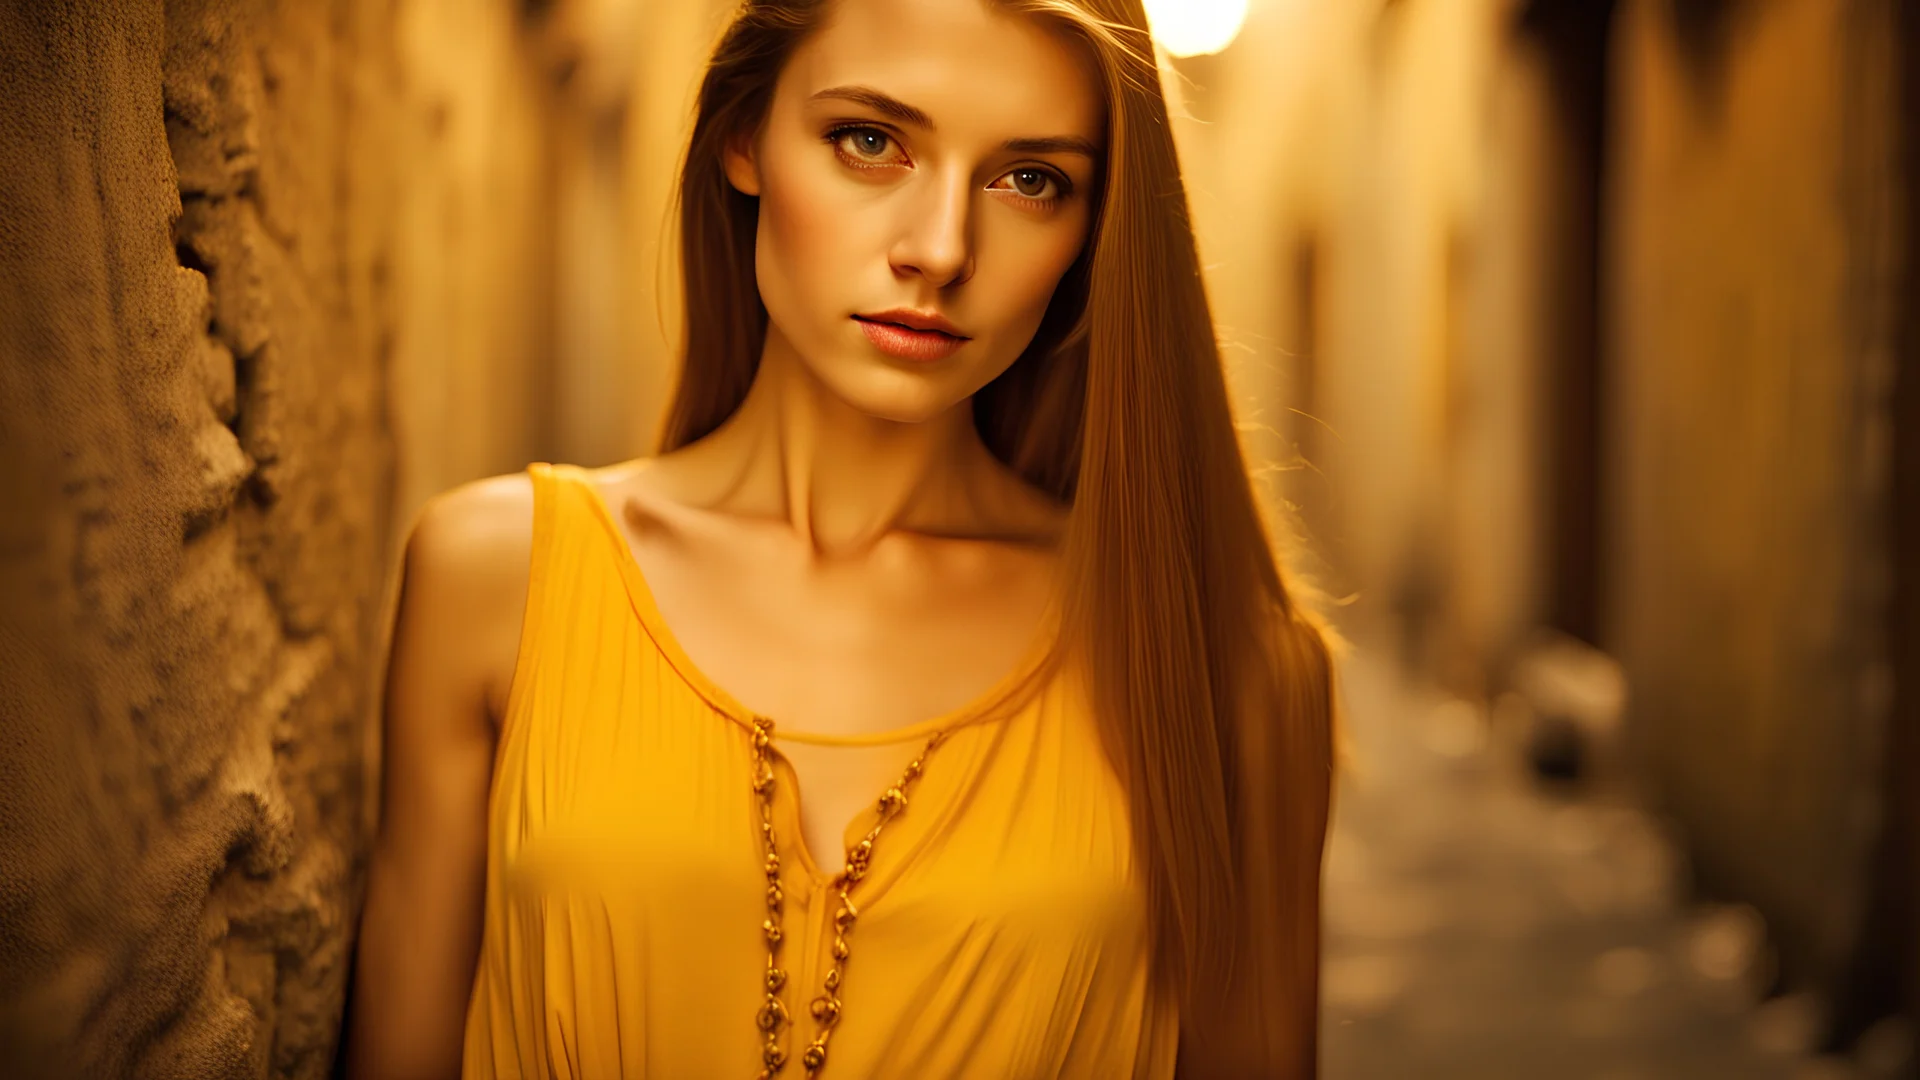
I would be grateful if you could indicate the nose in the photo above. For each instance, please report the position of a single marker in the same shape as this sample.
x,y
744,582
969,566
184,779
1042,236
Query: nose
x,y
936,239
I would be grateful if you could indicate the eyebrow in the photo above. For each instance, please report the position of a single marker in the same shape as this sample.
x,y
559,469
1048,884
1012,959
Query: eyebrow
x,y
888,105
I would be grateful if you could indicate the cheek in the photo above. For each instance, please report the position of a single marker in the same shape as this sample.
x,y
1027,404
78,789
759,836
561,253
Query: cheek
x,y
802,242
1028,283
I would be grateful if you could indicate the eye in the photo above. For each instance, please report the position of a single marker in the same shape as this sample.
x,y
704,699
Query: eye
x,y
860,144
1032,185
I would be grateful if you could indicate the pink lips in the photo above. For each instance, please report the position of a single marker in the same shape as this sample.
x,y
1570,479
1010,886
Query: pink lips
x,y
907,344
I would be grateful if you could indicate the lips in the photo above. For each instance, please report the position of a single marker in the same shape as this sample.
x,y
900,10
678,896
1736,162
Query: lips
x,y
905,342
905,325
912,319
908,326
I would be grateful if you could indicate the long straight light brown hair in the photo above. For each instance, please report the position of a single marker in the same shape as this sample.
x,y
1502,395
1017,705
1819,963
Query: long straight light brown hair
x,y
1210,680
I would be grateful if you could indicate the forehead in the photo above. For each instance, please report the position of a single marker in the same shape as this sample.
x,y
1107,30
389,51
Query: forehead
x,y
970,65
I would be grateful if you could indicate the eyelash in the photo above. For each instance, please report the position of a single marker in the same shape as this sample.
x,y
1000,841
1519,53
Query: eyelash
x,y
1063,187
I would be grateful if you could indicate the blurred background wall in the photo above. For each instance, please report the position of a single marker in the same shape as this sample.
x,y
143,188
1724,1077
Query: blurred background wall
x,y
1578,335
1588,321
1752,304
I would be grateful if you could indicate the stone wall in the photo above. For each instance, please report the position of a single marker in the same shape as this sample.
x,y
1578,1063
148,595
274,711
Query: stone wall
x,y
194,428
271,273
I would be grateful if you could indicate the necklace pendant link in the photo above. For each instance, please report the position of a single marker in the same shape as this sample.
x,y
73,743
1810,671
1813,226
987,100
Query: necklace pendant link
x,y
826,1009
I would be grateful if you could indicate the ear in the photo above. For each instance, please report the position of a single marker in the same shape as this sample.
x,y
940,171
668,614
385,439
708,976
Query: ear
x,y
743,169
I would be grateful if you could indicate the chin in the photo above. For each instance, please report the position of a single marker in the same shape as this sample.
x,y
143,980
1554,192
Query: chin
x,y
892,390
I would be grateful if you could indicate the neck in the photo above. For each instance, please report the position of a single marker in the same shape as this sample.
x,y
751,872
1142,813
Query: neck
x,y
841,478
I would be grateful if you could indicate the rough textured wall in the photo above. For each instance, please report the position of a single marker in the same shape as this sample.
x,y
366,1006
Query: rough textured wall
x,y
197,475
1751,301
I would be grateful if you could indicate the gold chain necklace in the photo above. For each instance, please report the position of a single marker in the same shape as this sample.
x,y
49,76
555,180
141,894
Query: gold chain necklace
x,y
825,1008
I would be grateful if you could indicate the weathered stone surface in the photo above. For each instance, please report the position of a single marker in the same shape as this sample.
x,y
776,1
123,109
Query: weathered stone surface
x,y
271,274
197,470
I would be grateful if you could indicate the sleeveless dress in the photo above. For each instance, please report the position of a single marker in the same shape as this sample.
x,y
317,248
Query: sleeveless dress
x,y
1003,926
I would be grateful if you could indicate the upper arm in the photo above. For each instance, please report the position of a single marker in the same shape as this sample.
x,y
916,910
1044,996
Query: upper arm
x,y
462,596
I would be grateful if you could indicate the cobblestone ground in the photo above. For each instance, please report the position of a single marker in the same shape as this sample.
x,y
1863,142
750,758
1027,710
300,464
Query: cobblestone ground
x,y
1478,925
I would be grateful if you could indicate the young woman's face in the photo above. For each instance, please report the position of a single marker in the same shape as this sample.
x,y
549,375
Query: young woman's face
x,y
932,157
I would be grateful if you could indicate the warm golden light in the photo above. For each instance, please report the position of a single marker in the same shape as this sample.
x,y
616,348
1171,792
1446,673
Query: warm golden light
x,y
1195,27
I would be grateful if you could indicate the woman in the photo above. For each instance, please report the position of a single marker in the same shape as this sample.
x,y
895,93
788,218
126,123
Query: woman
x,y
931,705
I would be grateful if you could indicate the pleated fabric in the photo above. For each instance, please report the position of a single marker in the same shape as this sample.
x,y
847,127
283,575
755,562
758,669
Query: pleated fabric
x,y
1003,925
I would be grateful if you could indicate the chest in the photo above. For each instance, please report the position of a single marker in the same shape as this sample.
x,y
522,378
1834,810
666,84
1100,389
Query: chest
x,y
1007,888
918,632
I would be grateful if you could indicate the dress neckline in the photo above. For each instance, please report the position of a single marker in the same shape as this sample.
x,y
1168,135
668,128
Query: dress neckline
x,y
998,701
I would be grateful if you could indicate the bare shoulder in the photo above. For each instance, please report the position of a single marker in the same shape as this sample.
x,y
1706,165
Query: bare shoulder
x,y
468,561
462,591
479,533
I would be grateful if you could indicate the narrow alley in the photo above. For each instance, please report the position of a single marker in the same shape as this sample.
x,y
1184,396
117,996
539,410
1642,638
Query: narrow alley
x,y
1484,925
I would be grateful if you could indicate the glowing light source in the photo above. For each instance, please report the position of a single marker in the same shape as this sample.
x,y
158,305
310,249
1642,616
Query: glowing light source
x,y
1195,27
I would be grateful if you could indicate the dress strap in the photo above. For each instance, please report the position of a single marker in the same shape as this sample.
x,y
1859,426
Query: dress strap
x,y
533,617
545,499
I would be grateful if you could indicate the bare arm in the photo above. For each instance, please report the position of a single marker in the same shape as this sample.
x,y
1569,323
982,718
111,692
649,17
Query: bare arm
x,y
462,596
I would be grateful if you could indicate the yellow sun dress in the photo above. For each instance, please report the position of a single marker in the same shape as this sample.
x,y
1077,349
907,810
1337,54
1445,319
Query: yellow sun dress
x,y
1003,925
